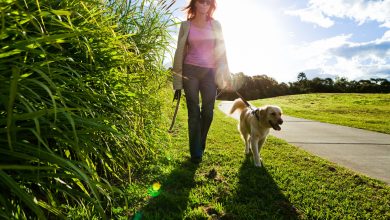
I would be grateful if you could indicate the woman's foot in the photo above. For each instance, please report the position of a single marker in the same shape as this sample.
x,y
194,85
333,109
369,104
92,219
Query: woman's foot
x,y
196,160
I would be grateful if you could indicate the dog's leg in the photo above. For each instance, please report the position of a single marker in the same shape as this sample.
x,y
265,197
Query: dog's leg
x,y
255,151
261,142
245,136
247,144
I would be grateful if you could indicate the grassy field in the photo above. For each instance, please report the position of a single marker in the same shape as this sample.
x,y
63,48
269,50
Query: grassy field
x,y
366,111
293,184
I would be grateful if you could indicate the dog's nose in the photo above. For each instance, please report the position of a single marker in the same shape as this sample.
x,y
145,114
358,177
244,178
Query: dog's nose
x,y
280,121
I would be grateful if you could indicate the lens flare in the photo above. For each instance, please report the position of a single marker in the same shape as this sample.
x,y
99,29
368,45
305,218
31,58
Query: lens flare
x,y
156,186
155,189
137,216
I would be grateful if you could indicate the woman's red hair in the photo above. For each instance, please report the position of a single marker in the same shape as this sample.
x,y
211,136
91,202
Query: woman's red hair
x,y
191,9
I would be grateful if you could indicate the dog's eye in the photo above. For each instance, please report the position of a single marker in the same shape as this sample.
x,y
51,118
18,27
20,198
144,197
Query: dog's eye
x,y
273,114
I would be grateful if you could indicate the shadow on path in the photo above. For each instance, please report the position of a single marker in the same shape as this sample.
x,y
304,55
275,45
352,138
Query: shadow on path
x,y
258,196
172,202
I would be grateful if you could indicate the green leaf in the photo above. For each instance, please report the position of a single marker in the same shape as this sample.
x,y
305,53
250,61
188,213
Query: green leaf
x,y
24,167
40,113
61,12
26,198
10,106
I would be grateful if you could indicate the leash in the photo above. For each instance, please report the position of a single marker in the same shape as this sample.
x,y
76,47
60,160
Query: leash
x,y
239,95
175,113
245,102
242,98
253,111
218,94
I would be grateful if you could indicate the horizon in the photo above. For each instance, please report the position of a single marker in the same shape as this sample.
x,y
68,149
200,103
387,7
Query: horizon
x,y
325,39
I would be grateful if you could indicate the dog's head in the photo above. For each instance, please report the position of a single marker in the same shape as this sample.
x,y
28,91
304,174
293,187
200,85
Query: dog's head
x,y
272,115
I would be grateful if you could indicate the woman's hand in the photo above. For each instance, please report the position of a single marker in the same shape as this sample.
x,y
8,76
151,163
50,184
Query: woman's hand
x,y
228,86
177,94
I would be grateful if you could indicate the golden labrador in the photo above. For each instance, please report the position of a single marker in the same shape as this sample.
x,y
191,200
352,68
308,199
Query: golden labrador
x,y
255,124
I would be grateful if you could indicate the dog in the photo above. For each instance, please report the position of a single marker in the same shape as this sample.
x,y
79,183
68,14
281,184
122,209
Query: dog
x,y
255,124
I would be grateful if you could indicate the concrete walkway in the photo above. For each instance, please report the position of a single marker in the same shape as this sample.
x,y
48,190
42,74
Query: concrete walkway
x,y
363,151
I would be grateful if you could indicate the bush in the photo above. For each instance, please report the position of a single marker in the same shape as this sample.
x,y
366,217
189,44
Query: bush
x,y
79,108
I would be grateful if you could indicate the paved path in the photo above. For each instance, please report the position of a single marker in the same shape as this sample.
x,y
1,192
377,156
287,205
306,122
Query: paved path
x,y
363,151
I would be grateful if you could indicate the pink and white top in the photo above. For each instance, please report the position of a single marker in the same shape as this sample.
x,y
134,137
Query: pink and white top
x,y
201,44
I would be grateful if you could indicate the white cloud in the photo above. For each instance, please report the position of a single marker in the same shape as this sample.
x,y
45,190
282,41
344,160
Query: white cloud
x,y
338,56
377,51
320,47
386,36
312,16
320,12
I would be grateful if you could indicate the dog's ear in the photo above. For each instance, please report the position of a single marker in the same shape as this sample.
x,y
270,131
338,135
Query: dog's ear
x,y
263,112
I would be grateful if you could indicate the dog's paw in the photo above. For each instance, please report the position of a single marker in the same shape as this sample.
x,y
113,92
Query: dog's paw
x,y
257,164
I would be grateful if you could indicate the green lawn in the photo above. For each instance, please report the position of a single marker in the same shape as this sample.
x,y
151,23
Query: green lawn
x,y
366,111
293,184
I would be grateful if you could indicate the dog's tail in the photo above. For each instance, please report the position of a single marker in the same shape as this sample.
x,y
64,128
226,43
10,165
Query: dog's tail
x,y
239,105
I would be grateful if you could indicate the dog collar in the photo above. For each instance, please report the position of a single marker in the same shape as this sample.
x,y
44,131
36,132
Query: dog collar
x,y
254,113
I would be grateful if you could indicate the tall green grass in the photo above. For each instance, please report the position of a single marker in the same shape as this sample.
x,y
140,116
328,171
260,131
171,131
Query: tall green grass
x,y
78,102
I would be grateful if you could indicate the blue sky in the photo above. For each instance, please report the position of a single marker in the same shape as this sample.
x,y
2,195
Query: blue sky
x,y
324,38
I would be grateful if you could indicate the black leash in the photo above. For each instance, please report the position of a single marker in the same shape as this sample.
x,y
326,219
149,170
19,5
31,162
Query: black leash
x,y
242,98
176,96
254,111
239,95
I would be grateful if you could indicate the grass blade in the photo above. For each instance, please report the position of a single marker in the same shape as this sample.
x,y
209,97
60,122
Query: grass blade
x,y
22,195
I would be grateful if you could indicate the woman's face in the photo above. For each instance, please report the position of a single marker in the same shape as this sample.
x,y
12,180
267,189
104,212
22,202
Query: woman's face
x,y
202,6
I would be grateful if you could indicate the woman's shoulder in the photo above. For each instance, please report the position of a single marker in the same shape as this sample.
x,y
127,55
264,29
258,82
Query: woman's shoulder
x,y
215,23
184,25
186,22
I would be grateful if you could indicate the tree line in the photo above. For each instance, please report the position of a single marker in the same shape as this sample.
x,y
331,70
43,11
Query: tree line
x,y
263,86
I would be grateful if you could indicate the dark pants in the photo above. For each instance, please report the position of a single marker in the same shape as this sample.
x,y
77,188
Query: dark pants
x,y
199,79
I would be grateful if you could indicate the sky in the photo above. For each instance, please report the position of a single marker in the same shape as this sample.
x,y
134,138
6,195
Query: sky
x,y
322,38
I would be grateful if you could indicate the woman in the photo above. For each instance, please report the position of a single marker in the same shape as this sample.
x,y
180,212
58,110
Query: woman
x,y
199,66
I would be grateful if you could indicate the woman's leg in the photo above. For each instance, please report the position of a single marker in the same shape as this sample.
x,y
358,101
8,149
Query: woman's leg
x,y
191,88
208,91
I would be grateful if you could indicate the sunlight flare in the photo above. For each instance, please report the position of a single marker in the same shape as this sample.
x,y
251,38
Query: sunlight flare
x,y
255,39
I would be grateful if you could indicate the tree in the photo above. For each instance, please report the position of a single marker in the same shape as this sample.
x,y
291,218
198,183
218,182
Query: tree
x,y
341,84
302,77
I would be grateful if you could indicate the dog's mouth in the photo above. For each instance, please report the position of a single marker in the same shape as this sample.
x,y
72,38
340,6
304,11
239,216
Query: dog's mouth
x,y
275,126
